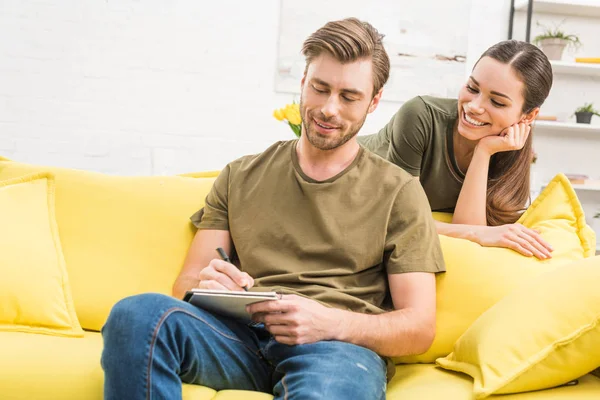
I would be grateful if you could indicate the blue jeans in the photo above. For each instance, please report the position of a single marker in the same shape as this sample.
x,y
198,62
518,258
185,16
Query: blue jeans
x,y
153,343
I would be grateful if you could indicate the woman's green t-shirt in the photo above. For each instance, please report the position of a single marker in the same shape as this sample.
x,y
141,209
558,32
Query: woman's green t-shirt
x,y
419,139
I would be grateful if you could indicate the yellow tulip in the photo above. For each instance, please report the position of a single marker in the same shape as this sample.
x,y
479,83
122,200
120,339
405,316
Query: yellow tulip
x,y
278,114
292,114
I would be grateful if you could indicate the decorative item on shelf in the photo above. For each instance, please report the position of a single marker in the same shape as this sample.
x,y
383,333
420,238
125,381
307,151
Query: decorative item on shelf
x,y
554,41
587,60
290,114
585,113
577,179
546,118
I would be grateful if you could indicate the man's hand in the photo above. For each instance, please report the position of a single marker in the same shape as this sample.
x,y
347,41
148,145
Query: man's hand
x,y
297,320
517,237
511,138
222,275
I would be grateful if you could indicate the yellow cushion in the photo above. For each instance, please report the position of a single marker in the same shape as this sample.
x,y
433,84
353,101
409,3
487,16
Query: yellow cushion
x,y
545,333
34,286
197,392
59,368
477,277
120,235
442,217
50,367
428,382
241,395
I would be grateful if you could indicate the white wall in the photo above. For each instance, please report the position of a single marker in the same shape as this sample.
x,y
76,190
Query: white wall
x,y
154,86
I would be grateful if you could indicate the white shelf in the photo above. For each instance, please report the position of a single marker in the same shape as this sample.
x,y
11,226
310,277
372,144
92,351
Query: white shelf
x,y
573,68
580,8
586,187
567,128
579,187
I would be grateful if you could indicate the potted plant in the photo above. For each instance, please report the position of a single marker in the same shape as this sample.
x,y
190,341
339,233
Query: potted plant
x,y
585,113
554,41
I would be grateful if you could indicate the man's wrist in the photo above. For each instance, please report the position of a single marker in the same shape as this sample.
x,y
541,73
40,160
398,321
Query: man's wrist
x,y
340,325
184,284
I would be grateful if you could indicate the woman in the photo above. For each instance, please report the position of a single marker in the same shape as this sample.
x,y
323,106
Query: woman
x,y
473,154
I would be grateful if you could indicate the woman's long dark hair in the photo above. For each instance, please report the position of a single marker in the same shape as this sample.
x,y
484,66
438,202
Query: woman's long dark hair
x,y
508,188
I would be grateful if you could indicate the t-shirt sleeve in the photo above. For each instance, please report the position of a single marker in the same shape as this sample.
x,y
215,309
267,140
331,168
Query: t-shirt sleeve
x,y
412,243
214,214
409,131
377,143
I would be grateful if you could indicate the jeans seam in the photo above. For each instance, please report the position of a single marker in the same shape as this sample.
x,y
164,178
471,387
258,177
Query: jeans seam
x,y
285,391
269,344
162,319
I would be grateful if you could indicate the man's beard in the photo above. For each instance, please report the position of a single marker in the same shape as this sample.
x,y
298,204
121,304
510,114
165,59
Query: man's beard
x,y
332,141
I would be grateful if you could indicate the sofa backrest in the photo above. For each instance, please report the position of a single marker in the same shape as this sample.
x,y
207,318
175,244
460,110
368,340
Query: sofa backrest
x,y
120,235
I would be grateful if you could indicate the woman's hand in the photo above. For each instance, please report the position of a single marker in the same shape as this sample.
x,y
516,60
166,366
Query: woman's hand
x,y
517,237
512,138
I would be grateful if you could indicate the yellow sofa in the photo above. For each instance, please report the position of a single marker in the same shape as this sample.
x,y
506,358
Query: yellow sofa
x,y
126,235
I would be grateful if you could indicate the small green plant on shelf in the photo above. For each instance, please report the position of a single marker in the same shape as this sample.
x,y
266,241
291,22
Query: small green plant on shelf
x,y
585,113
553,41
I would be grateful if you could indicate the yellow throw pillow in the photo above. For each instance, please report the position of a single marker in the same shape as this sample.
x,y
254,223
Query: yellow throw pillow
x,y
477,277
544,334
34,287
121,235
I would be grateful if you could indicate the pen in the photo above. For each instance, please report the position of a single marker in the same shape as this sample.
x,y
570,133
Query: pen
x,y
225,258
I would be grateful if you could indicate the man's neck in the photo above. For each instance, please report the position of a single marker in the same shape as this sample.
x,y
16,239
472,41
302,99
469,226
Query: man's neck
x,y
321,165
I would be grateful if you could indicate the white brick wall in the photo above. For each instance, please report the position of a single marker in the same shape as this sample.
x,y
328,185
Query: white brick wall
x,y
152,86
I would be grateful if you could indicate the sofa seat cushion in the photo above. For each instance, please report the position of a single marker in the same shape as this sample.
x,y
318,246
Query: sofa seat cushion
x,y
46,367
197,392
34,366
241,395
426,381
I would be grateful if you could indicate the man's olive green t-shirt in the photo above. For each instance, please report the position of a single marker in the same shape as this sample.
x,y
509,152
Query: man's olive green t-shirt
x,y
334,241
419,139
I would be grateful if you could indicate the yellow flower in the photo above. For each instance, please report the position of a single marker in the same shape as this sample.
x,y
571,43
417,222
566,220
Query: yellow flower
x,y
292,114
278,114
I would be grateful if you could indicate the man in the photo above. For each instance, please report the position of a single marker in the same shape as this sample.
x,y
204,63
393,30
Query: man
x,y
346,237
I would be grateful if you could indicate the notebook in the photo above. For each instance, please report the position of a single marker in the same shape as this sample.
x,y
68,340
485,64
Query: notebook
x,y
227,303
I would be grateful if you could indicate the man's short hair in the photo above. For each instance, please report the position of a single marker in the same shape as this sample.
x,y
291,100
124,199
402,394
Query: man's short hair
x,y
349,40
